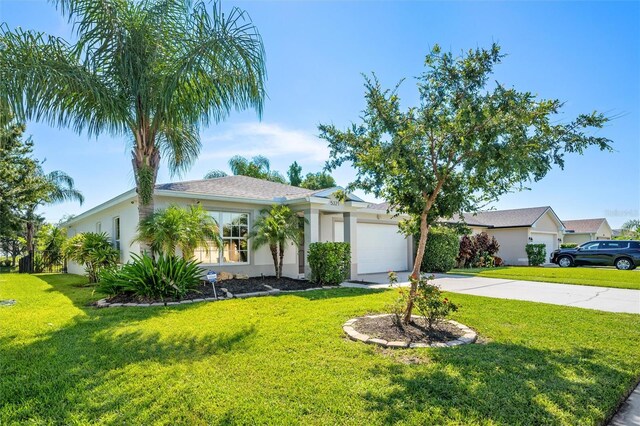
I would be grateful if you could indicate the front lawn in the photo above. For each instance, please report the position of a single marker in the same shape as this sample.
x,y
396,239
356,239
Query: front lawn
x,y
584,276
285,360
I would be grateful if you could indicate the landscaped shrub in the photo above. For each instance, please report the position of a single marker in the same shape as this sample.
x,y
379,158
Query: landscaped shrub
x,y
166,276
329,262
93,250
537,253
428,301
568,245
441,250
478,251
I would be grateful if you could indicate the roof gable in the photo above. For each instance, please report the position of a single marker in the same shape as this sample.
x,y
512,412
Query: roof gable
x,y
584,226
511,218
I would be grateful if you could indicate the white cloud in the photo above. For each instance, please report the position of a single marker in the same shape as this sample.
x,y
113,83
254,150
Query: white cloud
x,y
270,140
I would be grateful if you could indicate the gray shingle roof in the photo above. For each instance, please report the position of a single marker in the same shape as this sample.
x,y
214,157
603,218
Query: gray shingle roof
x,y
380,206
584,226
501,218
239,187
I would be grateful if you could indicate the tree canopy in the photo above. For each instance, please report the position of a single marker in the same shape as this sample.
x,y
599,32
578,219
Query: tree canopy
x,y
151,71
466,142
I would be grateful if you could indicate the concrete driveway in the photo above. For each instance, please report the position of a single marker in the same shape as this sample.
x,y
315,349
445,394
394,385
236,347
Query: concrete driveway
x,y
600,298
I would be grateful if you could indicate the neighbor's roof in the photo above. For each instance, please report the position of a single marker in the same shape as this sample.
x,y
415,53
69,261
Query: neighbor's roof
x,y
584,226
502,218
239,187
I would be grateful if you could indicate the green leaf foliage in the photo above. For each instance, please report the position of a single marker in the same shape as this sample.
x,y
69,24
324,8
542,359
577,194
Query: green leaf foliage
x,y
295,174
274,228
441,250
155,71
329,262
319,180
181,228
467,141
93,250
536,253
164,277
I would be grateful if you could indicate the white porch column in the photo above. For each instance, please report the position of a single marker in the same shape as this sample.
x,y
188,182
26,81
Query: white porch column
x,y
351,237
311,234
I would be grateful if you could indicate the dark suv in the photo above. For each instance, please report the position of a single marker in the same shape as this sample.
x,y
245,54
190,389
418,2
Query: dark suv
x,y
621,254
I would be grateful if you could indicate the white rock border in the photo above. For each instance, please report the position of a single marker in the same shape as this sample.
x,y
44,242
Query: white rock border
x,y
469,336
102,303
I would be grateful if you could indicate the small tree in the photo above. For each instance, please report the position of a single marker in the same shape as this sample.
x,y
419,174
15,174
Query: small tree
x,y
536,253
92,250
295,174
465,143
319,180
274,228
178,227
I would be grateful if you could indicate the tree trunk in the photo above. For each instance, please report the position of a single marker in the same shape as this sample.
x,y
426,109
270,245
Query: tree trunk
x,y
415,273
146,163
281,260
274,255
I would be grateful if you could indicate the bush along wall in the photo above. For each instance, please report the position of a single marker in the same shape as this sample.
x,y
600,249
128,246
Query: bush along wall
x,y
568,245
537,253
329,262
441,250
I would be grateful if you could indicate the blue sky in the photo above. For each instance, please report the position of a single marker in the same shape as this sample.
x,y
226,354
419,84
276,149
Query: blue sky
x,y
586,54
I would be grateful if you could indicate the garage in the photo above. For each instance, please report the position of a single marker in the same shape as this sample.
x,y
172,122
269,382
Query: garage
x,y
549,240
380,247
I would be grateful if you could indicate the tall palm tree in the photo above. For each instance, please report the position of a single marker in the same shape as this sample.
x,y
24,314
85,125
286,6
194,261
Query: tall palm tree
x,y
177,227
274,228
155,70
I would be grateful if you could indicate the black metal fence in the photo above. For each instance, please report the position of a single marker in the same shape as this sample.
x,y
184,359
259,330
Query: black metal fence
x,y
42,261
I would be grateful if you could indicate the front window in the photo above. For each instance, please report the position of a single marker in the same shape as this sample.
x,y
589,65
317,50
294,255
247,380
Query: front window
x,y
116,232
234,229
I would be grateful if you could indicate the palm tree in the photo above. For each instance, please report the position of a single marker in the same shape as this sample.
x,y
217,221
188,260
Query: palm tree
x,y
177,227
155,70
274,228
258,167
48,188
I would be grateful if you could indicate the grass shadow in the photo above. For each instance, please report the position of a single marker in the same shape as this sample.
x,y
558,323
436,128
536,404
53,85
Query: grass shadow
x,y
334,293
499,384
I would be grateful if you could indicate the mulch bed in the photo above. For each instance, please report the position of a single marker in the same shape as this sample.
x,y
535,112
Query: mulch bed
x,y
415,332
254,284
233,286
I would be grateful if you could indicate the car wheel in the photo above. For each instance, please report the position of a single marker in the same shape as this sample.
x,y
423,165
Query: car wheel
x,y
624,264
565,262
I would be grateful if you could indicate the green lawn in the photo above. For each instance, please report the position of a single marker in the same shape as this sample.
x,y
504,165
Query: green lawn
x,y
584,276
285,360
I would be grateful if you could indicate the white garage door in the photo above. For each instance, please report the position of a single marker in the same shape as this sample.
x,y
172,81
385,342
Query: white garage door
x,y
380,247
549,240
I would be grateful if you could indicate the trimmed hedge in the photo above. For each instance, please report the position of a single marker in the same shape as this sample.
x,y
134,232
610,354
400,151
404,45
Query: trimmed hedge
x,y
537,253
441,250
568,245
329,262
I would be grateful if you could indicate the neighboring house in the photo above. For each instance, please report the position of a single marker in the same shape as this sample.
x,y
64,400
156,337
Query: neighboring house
x,y
235,202
516,228
583,230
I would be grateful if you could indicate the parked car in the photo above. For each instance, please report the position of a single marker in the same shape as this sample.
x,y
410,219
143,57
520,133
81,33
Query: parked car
x,y
623,255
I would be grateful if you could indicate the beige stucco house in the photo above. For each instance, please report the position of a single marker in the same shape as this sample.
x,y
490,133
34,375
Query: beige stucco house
x,y
583,230
516,228
236,201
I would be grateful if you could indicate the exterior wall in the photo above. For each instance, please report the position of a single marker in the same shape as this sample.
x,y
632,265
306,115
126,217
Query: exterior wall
x,y
512,244
577,238
260,260
545,224
128,214
604,231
